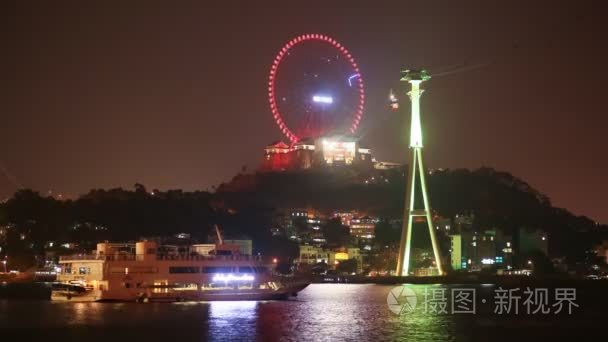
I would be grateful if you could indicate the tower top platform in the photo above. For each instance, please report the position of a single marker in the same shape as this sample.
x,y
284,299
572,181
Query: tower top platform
x,y
414,75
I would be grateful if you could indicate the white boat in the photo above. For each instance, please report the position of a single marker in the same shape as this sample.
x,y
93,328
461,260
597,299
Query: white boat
x,y
111,274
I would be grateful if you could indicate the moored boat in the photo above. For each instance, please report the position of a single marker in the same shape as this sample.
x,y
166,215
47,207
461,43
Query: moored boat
x,y
139,272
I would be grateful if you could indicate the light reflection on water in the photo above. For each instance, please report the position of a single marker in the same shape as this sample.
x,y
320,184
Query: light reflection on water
x,y
322,312
230,320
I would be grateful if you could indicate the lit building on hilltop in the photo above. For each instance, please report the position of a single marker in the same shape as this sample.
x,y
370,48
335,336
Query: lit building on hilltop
x,y
365,155
309,153
303,152
277,157
336,152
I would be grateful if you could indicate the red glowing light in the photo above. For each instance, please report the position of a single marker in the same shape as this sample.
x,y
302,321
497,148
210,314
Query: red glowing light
x,y
273,74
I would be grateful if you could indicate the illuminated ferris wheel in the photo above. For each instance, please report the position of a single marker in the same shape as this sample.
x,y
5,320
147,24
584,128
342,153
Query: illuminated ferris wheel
x,y
315,88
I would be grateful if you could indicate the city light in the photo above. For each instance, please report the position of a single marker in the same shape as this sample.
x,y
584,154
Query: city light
x,y
394,103
322,99
487,261
231,277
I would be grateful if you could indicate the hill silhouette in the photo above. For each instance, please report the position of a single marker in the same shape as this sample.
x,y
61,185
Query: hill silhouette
x,y
246,206
497,199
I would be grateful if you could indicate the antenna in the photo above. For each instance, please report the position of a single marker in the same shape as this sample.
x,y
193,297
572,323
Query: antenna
x,y
219,235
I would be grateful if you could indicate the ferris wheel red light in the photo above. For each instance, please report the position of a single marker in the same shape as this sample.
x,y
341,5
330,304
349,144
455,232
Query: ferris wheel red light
x,y
277,115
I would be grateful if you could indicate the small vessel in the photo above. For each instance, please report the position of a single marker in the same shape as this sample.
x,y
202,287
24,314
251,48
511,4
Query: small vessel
x,y
114,273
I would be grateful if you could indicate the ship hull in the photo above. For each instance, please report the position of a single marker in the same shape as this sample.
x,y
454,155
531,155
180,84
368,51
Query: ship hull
x,y
283,293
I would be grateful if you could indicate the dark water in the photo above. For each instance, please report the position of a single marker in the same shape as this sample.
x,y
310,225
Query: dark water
x,y
322,312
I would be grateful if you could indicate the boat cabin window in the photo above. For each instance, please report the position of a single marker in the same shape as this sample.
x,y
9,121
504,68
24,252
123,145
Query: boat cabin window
x,y
212,269
184,269
84,270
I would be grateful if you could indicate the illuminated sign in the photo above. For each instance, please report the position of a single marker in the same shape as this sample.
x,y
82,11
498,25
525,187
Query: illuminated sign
x,y
341,256
322,99
231,277
487,261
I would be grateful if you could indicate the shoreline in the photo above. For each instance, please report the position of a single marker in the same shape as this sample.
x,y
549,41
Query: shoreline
x,y
552,280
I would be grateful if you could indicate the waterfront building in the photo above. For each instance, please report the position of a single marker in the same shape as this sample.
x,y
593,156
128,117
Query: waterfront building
x,y
477,250
311,255
456,259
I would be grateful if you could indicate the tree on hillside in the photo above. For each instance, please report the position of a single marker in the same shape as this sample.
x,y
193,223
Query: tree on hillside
x,y
335,233
386,234
347,266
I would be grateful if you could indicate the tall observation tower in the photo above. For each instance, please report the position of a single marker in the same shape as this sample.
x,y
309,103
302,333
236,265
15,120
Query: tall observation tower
x,y
415,210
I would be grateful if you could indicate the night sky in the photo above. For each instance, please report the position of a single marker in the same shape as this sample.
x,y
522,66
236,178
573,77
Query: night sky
x,y
173,95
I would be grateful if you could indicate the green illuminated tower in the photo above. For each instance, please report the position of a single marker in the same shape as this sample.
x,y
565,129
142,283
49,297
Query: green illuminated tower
x,y
416,173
